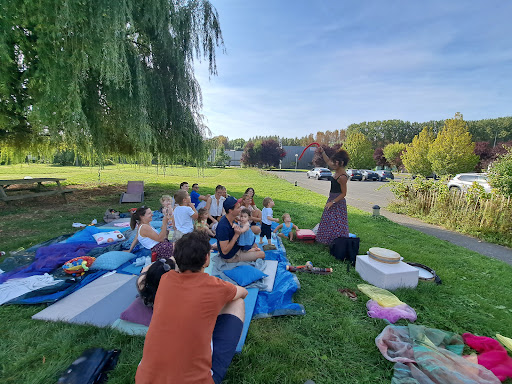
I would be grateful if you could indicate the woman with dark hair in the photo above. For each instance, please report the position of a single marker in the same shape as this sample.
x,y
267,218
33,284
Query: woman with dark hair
x,y
334,221
147,236
149,279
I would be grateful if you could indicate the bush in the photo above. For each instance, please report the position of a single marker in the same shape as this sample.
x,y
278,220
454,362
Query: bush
x,y
475,212
500,174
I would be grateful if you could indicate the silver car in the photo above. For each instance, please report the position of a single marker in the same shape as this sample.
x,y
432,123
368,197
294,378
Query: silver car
x,y
319,173
463,181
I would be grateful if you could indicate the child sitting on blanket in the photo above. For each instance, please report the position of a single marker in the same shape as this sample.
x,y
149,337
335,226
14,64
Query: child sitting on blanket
x,y
202,222
184,214
287,227
247,239
266,220
149,279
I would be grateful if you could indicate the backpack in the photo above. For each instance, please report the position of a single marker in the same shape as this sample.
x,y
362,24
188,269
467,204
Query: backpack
x,y
345,249
111,215
91,367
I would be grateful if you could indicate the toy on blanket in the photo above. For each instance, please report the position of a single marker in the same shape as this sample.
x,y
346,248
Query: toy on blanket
x,y
308,268
79,265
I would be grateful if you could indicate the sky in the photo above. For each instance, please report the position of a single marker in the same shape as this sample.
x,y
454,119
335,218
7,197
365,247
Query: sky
x,y
295,67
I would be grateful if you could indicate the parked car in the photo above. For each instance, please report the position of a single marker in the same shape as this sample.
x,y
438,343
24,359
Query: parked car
x,y
463,181
319,173
383,175
369,175
431,176
354,174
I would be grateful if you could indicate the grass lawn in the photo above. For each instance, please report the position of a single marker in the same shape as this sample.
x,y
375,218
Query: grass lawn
x,y
333,343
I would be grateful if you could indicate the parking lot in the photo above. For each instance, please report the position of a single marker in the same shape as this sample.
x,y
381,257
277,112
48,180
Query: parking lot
x,y
360,194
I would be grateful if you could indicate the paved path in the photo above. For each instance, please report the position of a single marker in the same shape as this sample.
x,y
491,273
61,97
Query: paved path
x,y
363,195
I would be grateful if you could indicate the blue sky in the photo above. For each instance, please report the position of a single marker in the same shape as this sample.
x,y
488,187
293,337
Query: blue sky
x,y
295,67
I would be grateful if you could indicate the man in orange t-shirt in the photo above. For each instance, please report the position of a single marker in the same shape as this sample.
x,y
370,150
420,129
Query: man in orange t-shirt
x,y
197,321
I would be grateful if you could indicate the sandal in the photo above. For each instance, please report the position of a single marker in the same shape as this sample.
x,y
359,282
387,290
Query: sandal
x,y
349,293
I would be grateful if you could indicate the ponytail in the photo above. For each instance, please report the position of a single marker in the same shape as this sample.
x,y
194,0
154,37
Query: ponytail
x,y
136,216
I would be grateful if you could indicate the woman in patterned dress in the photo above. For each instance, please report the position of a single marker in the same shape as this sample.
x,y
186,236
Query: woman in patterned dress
x,y
334,221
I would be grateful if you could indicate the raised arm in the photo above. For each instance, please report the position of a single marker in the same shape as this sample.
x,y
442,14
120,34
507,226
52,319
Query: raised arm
x,y
147,231
326,158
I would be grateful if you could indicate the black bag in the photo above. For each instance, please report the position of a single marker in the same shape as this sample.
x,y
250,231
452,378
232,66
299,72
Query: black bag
x,y
91,367
345,249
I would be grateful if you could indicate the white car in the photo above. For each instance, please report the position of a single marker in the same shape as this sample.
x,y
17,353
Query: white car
x,y
319,173
463,181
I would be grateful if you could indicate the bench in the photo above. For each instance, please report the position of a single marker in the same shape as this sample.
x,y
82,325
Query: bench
x,y
41,190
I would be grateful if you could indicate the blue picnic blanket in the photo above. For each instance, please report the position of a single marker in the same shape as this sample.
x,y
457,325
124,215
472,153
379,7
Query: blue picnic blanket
x,y
279,301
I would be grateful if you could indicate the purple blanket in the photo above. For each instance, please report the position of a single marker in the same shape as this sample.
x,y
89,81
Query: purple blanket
x,y
49,258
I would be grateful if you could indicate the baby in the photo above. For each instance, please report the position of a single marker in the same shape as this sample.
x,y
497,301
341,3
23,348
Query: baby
x,y
202,224
166,205
287,227
266,220
247,239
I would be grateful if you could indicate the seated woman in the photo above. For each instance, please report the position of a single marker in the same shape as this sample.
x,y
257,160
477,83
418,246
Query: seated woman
x,y
149,279
148,237
247,202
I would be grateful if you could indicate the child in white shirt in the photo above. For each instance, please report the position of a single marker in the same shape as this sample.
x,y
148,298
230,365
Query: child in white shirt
x,y
266,220
184,215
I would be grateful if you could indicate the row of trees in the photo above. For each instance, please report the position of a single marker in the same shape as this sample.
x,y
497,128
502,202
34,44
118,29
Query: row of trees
x,y
382,133
449,151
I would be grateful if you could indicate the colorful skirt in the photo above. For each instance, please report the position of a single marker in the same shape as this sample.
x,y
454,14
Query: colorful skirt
x,y
334,221
164,249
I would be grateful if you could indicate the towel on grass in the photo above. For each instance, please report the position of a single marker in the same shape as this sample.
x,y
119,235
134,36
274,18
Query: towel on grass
x,y
17,287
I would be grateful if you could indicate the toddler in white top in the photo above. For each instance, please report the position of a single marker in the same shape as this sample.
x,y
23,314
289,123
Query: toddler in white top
x,y
184,215
266,220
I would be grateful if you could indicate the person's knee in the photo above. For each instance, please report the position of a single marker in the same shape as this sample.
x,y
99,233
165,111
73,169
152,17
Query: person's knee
x,y
235,308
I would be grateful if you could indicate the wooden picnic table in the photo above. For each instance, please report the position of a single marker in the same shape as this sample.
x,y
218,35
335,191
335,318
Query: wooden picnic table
x,y
41,190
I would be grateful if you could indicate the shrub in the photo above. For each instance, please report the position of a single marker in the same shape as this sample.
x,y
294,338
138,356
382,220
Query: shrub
x,y
500,174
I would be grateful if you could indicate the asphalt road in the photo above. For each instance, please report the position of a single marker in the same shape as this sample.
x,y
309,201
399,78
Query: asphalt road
x,y
365,194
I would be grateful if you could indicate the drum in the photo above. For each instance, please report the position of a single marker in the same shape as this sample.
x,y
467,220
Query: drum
x,y
426,273
384,255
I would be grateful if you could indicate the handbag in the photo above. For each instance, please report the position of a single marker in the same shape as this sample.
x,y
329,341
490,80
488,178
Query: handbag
x,y
345,249
91,367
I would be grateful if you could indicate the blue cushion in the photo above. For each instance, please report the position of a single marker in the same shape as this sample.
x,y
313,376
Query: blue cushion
x,y
112,260
245,274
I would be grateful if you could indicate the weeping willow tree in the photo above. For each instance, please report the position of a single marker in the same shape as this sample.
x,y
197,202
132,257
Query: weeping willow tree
x,y
104,78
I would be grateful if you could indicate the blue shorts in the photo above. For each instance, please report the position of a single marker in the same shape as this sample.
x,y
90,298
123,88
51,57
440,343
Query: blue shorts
x,y
226,335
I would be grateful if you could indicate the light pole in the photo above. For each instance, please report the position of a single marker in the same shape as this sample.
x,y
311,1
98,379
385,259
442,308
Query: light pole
x,y
296,156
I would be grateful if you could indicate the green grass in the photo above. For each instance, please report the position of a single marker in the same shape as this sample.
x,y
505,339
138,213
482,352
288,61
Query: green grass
x,y
333,343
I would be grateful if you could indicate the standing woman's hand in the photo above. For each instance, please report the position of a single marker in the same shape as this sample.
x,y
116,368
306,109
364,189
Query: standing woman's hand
x,y
329,205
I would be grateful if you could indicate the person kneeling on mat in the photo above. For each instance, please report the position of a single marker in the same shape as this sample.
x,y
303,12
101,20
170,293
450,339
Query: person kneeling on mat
x,y
197,321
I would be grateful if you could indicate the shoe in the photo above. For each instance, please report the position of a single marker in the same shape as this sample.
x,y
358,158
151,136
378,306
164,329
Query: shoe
x,y
349,293
269,247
